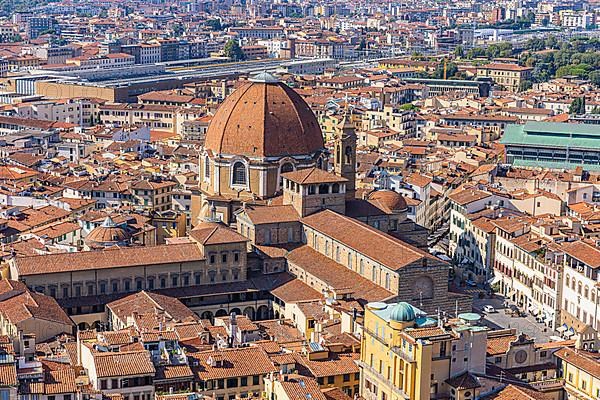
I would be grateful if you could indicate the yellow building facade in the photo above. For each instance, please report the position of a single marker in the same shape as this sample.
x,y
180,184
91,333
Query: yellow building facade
x,y
581,374
408,356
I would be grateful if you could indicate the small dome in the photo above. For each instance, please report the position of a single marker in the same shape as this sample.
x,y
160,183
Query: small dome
x,y
390,199
107,234
402,312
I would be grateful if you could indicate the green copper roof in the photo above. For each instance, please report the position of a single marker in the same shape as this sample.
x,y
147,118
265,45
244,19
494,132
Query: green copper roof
x,y
553,134
553,164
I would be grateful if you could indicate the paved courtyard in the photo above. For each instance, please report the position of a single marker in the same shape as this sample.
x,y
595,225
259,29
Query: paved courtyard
x,y
501,320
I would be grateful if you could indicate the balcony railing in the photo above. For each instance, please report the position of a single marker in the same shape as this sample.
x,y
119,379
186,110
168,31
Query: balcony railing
x,y
548,384
382,379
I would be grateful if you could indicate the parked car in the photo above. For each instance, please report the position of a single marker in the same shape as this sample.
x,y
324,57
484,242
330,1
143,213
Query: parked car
x,y
514,311
489,309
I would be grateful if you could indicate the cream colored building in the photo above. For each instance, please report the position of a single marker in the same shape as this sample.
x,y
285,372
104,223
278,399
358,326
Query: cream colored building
x,y
509,76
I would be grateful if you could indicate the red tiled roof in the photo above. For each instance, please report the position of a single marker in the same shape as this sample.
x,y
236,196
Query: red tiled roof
x,y
112,258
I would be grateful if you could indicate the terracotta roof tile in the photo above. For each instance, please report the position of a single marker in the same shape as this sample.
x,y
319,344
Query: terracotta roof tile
x,y
585,362
105,259
110,364
233,363
312,176
385,249
264,119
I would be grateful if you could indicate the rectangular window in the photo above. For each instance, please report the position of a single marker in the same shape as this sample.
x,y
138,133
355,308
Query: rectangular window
x,y
232,382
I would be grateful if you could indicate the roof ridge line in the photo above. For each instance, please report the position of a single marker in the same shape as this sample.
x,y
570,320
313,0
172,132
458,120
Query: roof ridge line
x,y
379,233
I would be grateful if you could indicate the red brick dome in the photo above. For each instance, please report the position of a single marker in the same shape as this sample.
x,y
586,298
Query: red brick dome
x,y
264,118
392,200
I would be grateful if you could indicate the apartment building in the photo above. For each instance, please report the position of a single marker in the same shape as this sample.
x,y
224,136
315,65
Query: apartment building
x,y
402,122
580,314
509,76
78,111
402,358
230,373
126,373
154,196
109,61
580,373
155,117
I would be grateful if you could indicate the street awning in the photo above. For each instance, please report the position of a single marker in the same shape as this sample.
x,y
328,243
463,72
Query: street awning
x,y
494,280
562,328
570,332
534,310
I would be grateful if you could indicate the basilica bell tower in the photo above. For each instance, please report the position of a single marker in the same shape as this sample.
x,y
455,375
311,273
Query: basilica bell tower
x,y
344,163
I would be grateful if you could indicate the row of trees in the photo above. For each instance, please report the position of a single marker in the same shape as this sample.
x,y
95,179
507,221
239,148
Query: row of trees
x,y
503,49
579,57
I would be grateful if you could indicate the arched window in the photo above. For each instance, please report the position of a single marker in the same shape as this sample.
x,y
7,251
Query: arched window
x,y
287,167
374,274
335,188
206,167
323,188
387,280
350,260
362,267
320,163
337,253
338,155
348,155
586,291
239,174
327,247
579,287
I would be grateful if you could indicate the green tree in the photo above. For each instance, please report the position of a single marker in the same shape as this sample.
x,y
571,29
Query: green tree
x,y
594,77
363,44
577,106
178,29
525,85
451,70
459,51
233,50
214,25
408,107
